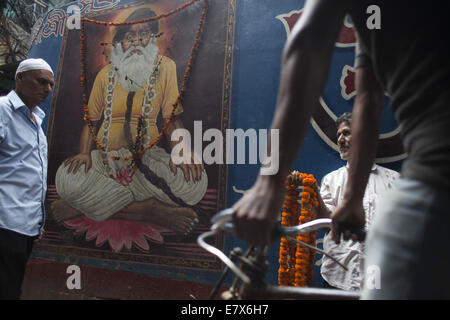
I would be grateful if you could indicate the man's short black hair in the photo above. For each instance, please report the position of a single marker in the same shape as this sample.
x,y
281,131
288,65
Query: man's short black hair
x,y
345,117
139,14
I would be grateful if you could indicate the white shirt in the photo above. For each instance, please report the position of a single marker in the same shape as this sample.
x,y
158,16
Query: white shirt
x,y
350,253
23,167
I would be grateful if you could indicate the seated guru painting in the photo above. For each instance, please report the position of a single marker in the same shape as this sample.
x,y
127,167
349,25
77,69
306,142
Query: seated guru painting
x,y
127,78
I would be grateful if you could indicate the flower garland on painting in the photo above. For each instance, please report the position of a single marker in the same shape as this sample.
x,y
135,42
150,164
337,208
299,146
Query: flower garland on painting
x,y
139,148
296,261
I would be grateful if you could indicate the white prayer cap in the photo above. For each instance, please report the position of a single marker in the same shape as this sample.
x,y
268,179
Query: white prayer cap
x,y
33,64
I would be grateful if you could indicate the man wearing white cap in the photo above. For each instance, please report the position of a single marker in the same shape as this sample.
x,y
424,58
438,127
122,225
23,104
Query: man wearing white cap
x,y
23,171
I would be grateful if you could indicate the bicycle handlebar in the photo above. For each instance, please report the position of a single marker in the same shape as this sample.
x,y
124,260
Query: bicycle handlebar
x,y
222,221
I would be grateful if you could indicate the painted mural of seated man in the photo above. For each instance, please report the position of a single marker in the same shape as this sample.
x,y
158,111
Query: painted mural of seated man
x,y
103,185
349,253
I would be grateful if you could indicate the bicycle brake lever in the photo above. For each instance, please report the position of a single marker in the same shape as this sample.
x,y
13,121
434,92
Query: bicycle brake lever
x,y
359,232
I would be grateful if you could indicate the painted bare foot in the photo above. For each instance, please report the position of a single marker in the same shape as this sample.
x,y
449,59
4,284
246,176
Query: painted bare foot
x,y
178,219
181,220
62,211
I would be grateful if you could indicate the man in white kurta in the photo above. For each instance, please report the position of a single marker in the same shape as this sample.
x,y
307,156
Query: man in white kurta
x,y
349,253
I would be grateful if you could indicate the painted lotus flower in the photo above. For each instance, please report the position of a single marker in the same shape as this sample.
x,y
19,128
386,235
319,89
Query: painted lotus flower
x,y
118,233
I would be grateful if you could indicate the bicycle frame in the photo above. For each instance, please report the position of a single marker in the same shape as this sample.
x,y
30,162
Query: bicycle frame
x,y
255,265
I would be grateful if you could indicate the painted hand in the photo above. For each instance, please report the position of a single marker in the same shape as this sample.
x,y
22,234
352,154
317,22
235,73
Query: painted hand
x,y
77,161
193,168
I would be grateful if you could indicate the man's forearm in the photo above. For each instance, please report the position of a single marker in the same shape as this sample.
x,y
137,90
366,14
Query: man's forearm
x,y
306,60
174,124
322,210
86,142
365,126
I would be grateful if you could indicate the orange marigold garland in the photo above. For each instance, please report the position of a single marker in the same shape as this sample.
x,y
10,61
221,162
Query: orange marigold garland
x,y
289,217
297,261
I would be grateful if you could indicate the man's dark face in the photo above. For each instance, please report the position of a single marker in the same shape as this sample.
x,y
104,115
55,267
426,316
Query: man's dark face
x,y
137,34
34,86
344,137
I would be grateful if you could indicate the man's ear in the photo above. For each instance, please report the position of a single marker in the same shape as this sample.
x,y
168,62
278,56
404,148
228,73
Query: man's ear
x,y
18,81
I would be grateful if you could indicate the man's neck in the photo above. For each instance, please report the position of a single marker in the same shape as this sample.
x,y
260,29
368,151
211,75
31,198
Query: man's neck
x,y
347,165
25,102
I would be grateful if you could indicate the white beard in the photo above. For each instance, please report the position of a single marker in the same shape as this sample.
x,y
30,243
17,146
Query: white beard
x,y
133,71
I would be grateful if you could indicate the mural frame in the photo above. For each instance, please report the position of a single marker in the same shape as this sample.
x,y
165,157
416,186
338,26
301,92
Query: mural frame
x,y
54,243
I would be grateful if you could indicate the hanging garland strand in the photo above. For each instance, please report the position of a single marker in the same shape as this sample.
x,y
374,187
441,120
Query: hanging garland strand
x,y
289,217
138,151
161,16
297,261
